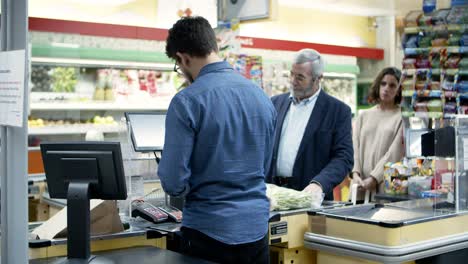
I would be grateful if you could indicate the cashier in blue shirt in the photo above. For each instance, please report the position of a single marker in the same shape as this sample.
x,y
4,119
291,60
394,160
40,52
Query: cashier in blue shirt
x,y
219,138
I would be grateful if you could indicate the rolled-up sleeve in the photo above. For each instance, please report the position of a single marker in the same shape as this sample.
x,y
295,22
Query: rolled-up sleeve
x,y
174,168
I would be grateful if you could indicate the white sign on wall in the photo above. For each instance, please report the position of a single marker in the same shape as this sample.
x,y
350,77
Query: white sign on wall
x,y
12,87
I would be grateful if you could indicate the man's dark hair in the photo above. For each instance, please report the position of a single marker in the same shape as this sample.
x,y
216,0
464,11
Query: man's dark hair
x,y
191,35
374,91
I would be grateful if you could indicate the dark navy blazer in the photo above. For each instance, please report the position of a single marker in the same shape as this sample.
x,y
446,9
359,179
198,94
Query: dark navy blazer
x,y
325,154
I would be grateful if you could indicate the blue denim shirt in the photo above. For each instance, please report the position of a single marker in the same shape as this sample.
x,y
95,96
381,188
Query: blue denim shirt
x,y
217,150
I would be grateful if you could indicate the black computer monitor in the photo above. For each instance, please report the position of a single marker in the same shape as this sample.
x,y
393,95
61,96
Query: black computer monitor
x,y
147,130
79,171
97,163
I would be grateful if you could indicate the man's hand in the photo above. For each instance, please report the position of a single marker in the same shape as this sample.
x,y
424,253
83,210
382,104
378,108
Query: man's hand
x,y
356,179
313,188
369,183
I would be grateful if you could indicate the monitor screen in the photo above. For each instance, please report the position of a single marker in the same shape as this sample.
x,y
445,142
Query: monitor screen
x,y
147,130
97,163
413,142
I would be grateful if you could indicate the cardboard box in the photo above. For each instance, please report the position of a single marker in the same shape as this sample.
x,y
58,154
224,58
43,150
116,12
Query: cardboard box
x,y
104,219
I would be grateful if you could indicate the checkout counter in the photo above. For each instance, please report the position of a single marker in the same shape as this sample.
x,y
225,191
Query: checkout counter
x,y
400,232
141,242
408,229
286,234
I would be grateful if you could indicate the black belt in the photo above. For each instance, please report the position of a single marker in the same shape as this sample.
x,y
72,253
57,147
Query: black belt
x,y
282,181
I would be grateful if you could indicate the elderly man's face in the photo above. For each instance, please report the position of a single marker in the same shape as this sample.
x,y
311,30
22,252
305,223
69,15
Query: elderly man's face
x,y
303,84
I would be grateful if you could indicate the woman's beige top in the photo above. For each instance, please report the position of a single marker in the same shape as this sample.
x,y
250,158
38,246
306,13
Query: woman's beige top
x,y
377,139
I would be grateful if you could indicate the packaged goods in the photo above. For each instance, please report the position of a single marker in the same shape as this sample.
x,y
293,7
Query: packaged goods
x,y
435,105
439,42
425,20
464,40
434,85
429,6
418,184
462,87
411,20
463,63
448,85
420,85
454,40
464,109
396,178
408,84
421,107
450,108
409,63
396,184
433,194
423,63
440,17
425,42
458,15
452,62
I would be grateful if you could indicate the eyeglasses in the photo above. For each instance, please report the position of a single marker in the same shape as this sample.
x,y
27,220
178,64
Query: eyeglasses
x,y
301,78
177,69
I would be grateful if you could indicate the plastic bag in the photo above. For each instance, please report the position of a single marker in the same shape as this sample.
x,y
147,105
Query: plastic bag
x,y
286,199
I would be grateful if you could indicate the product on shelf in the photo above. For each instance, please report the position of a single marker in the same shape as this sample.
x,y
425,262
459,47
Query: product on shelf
x,y
64,79
97,120
458,15
450,108
434,105
436,61
40,79
439,17
249,66
411,20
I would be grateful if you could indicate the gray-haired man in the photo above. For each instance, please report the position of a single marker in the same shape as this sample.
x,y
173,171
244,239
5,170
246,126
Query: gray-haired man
x,y
313,148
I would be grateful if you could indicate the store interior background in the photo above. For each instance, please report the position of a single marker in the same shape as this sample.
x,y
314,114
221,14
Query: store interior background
x,y
61,37
376,24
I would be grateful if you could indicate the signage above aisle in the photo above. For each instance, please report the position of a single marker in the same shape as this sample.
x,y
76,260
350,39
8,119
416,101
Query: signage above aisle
x,y
144,33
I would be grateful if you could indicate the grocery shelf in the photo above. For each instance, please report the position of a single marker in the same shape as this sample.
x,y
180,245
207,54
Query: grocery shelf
x,y
426,93
74,129
416,51
110,106
424,114
463,72
435,71
439,28
407,93
450,49
435,158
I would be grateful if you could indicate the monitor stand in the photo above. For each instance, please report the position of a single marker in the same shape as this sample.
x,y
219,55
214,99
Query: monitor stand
x,y
78,224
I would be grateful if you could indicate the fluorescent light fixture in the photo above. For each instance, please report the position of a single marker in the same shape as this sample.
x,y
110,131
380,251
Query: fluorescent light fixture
x,y
65,45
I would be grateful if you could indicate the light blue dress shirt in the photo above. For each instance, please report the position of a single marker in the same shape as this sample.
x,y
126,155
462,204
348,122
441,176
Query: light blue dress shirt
x,y
294,125
218,144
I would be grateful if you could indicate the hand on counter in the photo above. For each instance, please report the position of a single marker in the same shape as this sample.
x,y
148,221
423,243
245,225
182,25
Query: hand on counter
x,y
313,188
369,183
356,179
